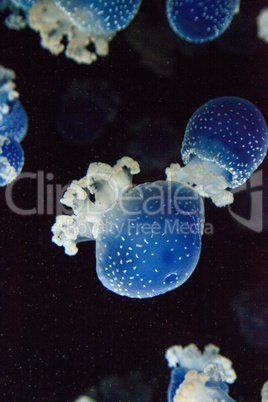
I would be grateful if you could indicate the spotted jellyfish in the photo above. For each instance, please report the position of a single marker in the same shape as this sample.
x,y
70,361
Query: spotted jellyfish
x,y
13,127
13,118
82,23
200,21
199,377
100,17
225,141
148,237
11,160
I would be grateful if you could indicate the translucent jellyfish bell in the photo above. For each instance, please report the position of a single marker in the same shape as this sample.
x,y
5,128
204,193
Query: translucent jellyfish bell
x,y
200,21
14,124
11,160
13,127
148,238
225,141
199,377
80,24
13,118
100,17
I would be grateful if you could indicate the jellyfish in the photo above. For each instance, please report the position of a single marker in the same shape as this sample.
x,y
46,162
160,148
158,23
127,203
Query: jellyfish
x,y
83,23
225,141
13,127
148,237
13,118
11,160
98,17
199,377
200,21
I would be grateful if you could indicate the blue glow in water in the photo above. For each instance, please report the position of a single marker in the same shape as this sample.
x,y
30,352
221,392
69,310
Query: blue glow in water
x,y
200,21
153,240
100,17
14,124
231,133
11,160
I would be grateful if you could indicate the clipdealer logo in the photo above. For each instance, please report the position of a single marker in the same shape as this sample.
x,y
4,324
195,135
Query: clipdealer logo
x,y
49,194
253,189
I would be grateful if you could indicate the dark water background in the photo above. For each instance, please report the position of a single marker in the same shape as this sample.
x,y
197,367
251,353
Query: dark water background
x,y
62,331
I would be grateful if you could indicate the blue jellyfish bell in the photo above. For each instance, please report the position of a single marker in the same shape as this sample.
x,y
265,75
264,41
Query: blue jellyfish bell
x,y
13,127
14,124
197,376
148,238
143,252
100,17
11,160
200,21
225,141
13,118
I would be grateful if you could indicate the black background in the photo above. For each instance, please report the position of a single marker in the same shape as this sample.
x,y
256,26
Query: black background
x,y
62,330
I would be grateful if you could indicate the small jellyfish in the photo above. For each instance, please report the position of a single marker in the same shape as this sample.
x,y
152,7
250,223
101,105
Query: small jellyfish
x,y
225,141
14,124
13,118
11,160
200,21
100,17
56,26
148,238
199,377
13,127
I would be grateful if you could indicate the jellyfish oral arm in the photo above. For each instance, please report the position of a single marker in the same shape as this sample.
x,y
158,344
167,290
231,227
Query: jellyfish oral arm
x,y
208,178
105,184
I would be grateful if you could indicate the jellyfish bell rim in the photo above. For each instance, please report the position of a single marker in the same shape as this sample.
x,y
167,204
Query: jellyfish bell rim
x,y
205,35
231,175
